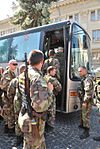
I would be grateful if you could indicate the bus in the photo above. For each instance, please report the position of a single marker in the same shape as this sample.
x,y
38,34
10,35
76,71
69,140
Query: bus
x,y
69,36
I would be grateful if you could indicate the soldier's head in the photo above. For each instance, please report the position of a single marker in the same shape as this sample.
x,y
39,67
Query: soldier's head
x,y
82,71
13,65
51,70
21,68
98,82
36,58
52,53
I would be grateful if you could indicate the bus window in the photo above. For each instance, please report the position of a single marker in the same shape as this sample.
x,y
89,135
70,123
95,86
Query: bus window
x,y
53,40
80,50
14,48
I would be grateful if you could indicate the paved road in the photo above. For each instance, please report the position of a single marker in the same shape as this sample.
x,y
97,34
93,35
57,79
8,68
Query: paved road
x,y
65,135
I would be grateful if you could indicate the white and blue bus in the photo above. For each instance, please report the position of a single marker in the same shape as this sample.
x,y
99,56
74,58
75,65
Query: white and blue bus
x,y
76,51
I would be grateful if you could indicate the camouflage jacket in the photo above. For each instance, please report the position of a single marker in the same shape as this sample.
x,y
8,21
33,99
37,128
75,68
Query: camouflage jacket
x,y
6,78
14,94
97,95
89,89
41,96
86,89
51,62
11,91
56,84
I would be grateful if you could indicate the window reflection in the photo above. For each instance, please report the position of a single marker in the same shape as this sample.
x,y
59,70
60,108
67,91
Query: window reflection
x,y
79,53
14,48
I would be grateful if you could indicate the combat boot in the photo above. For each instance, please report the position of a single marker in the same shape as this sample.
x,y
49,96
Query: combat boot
x,y
48,128
19,140
85,133
1,118
6,129
81,126
96,138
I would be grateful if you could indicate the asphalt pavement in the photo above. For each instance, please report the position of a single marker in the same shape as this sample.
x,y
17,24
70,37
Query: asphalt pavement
x,y
65,134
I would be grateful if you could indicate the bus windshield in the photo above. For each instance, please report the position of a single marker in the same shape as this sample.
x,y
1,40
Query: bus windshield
x,y
14,48
80,51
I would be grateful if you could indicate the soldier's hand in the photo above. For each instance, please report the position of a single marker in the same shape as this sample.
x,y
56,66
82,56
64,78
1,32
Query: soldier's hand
x,y
50,86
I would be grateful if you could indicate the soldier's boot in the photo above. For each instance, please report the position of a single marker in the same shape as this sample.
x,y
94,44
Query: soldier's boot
x,y
6,129
48,128
85,133
19,140
1,118
81,126
96,138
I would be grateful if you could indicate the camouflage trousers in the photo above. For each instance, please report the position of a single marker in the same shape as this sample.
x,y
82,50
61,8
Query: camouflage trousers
x,y
86,113
51,113
17,128
17,107
32,142
8,115
81,121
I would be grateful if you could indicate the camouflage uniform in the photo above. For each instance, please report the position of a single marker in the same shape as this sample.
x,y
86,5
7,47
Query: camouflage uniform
x,y
52,62
0,95
81,93
40,99
60,57
88,99
97,94
52,109
8,108
13,93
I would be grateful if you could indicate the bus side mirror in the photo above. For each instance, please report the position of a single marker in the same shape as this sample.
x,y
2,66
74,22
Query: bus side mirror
x,y
85,45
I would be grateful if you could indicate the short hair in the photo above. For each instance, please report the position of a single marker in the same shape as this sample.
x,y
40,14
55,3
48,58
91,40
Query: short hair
x,y
12,60
21,68
51,52
83,67
35,57
50,68
98,82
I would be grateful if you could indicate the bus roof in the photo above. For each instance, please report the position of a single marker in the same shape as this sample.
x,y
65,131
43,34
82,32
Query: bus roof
x,y
38,29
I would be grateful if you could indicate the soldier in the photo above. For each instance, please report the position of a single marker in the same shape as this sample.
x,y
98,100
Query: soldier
x,y
87,100
97,92
51,71
13,93
1,72
8,111
52,61
40,98
60,57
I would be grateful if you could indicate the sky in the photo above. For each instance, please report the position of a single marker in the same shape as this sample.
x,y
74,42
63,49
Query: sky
x,y
5,8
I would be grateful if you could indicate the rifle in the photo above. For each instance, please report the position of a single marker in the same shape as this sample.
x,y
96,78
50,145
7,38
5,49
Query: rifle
x,y
30,110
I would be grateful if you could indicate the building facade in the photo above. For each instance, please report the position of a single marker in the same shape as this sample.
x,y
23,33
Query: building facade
x,y
85,12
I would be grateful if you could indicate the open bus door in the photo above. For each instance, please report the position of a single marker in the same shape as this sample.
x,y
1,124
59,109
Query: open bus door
x,y
53,40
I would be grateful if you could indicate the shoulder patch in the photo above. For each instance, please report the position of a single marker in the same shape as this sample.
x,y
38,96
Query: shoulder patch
x,y
7,78
44,84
